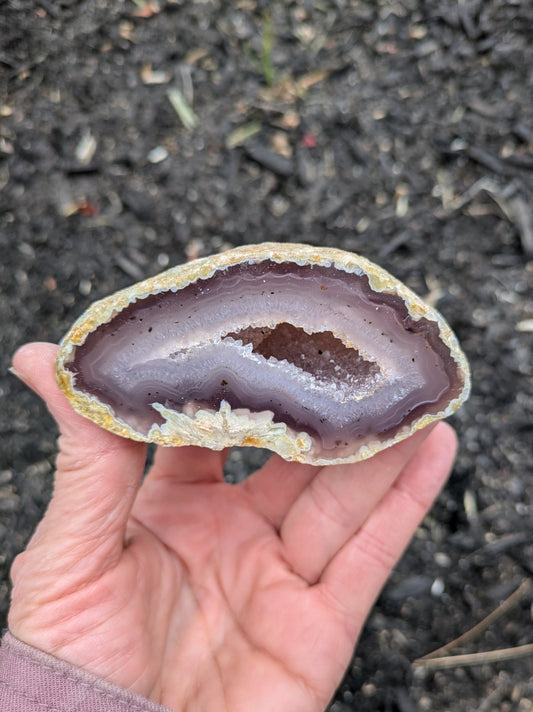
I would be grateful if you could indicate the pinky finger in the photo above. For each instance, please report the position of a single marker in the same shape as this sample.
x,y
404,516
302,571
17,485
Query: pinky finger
x,y
358,572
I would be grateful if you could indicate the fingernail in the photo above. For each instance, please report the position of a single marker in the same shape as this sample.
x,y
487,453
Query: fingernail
x,y
18,374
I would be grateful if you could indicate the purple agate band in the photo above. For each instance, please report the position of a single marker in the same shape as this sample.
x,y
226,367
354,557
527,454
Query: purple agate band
x,y
316,346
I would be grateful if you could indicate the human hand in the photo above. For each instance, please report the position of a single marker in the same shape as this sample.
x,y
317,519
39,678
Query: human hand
x,y
202,595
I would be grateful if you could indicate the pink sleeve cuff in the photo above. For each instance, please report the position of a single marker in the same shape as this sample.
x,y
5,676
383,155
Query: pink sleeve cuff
x,y
33,681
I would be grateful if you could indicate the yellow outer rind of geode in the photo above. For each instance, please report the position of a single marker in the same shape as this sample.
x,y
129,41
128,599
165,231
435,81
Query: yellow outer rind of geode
x,y
225,428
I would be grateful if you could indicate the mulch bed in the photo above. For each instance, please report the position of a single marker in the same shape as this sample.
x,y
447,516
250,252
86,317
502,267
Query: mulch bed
x,y
135,135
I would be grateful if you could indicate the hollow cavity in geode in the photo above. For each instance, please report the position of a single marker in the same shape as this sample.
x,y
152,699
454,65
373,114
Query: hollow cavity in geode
x,y
314,345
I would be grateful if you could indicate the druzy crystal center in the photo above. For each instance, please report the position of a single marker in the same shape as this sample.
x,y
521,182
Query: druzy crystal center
x,y
320,354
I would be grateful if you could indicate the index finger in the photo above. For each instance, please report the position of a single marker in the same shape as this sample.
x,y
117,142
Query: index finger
x,y
360,569
336,503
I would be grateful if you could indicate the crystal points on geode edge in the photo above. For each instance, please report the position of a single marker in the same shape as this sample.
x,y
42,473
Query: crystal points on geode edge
x,y
315,353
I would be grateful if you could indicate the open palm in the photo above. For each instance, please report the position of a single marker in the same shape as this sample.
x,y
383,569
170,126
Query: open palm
x,y
202,595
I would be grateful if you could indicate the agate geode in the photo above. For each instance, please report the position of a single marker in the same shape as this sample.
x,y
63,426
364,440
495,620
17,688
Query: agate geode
x,y
315,353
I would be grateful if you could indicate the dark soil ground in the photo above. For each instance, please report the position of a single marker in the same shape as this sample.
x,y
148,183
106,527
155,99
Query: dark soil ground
x,y
400,129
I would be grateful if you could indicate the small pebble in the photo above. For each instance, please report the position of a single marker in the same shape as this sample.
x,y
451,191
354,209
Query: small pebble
x,y
158,154
437,587
86,149
5,477
8,500
442,559
85,287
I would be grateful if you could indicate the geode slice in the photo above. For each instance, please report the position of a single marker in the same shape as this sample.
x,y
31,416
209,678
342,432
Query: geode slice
x,y
315,353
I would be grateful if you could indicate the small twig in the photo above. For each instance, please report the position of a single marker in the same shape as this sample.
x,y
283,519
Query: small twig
x,y
485,658
242,133
181,107
436,660
488,159
483,184
510,201
504,607
267,43
494,698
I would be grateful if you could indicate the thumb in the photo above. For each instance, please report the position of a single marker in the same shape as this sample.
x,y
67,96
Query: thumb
x,y
98,473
